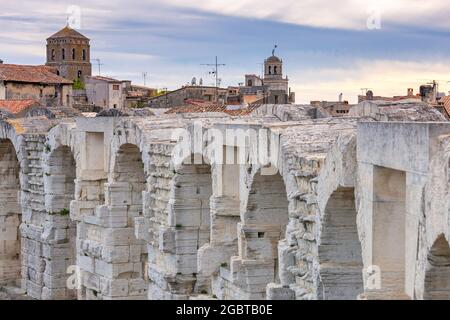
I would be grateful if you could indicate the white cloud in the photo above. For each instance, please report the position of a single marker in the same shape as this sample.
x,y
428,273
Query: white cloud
x,y
344,14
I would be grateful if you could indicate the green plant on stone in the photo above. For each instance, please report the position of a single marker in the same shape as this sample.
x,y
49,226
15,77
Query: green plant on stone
x,y
78,84
63,212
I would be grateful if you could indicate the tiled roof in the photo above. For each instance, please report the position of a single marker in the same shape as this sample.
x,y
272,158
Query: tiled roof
x,y
199,106
196,106
30,74
68,32
17,106
107,79
446,103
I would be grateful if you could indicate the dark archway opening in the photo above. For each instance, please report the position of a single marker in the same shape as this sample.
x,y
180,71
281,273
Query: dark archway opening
x,y
437,274
10,216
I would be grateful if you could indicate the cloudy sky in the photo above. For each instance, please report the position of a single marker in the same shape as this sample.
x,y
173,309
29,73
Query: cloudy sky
x,y
328,47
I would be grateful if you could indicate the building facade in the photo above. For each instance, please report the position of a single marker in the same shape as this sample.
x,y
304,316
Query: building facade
x,y
40,83
105,92
178,97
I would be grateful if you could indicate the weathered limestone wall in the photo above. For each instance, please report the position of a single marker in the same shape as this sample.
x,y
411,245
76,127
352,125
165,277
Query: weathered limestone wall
x,y
106,203
60,171
396,217
102,208
30,193
10,214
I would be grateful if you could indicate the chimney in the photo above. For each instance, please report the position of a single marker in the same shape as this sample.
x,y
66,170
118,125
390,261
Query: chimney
x,y
340,97
410,92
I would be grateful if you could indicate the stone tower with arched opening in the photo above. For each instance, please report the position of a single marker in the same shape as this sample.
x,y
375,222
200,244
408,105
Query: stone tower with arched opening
x,y
69,52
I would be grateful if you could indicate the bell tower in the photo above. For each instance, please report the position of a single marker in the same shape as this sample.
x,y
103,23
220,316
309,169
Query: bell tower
x,y
276,85
273,74
273,67
69,52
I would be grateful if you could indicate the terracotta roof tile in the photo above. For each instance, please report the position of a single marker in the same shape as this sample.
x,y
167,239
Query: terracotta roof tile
x,y
107,79
17,106
31,74
68,32
199,106
446,102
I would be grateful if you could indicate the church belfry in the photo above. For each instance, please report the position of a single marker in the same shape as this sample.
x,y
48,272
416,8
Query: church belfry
x,y
273,68
69,52
274,81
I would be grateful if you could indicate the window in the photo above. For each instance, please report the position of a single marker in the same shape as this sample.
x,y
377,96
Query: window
x,y
63,53
57,72
73,54
116,87
79,73
250,83
53,54
275,70
84,54
276,99
270,69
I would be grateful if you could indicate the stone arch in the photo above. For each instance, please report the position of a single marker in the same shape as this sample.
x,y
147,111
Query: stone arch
x,y
263,225
437,273
10,215
339,251
434,222
124,199
190,218
13,147
59,230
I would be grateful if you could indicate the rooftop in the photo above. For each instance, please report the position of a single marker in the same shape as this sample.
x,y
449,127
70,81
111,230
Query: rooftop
x,y
107,79
17,106
201,106
446,103
68,32
30,74
273,59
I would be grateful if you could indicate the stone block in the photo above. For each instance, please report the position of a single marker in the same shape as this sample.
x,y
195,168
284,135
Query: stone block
x,y
117,194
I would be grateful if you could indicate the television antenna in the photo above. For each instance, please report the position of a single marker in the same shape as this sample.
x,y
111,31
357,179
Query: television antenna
x,y
99,64
144,75
262,69
215,72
